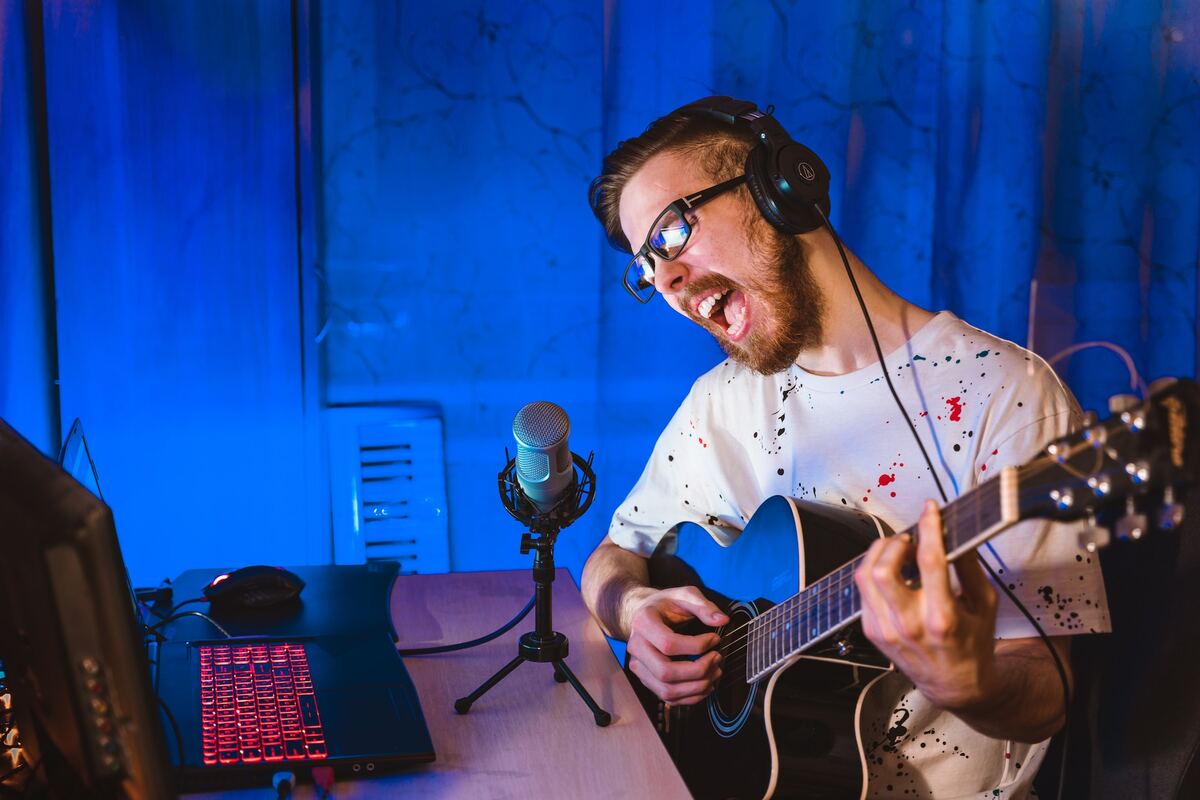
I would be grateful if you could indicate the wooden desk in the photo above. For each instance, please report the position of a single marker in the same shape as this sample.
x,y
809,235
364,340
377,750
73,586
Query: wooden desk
x,y
529,737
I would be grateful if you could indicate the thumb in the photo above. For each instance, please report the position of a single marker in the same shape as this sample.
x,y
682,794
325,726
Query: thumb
x,y
692,600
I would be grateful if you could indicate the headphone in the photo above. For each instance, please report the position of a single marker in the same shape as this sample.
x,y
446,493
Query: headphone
x,y
785,178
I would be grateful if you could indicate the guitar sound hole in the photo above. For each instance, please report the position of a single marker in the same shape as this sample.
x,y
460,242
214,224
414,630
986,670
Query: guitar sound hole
x,y
730,702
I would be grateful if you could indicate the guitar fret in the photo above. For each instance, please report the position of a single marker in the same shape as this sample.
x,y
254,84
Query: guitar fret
x,y
793,628
826,605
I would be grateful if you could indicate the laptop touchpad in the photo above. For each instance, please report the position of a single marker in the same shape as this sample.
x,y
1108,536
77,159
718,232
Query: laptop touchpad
x,y
372,720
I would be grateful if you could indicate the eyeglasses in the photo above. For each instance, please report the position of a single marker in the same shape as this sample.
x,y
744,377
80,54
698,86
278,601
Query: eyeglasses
x,y
667,237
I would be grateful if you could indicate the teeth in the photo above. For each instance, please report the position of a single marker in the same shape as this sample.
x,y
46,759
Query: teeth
x,y
735,325
710,302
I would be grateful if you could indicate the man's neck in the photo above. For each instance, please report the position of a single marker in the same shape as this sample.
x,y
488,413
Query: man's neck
x,y
847,345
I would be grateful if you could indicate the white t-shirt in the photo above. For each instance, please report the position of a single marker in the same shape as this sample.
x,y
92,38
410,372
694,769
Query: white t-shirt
x,y
979,403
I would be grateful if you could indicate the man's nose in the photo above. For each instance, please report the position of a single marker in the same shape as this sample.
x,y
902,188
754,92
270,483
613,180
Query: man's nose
x,y
670,277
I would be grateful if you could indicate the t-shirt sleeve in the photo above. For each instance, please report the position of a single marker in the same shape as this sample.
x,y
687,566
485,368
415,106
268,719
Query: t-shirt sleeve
x,y
1041,562
682,480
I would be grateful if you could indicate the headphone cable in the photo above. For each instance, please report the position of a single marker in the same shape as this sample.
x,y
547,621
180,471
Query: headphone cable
x,y
1062,672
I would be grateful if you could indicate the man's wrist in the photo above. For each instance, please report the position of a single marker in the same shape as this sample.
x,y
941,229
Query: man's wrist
x,y
631,600
986,696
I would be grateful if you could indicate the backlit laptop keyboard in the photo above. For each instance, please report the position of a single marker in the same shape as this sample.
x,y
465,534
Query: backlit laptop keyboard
x,y
257,704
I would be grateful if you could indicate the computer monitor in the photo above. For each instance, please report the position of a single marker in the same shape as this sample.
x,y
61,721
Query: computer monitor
x,y
69,637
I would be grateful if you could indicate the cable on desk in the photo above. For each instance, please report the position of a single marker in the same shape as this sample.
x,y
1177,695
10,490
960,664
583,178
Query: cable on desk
x,y
283,782
154,628
323,780
447,648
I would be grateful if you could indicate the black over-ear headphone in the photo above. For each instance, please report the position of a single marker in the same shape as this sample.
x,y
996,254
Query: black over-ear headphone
x,y
785,178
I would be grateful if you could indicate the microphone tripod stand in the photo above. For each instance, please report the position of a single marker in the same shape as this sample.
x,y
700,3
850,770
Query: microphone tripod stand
x,y
543,644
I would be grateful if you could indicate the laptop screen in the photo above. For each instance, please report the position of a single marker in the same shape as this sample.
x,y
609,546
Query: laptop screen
x,y
69,633
76,460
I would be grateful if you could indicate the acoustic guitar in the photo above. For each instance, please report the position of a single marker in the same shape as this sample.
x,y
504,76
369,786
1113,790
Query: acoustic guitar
x,y
783,720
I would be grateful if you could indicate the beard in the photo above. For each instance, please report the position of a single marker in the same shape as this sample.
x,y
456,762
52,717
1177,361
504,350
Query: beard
x,y
790,308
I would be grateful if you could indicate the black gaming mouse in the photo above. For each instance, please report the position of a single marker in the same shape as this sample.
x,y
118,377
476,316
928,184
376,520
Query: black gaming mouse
x,y
253,587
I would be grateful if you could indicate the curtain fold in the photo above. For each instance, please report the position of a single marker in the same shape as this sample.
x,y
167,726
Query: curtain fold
x,y
978,150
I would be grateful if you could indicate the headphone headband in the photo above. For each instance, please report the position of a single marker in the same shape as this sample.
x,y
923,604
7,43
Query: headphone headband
x,y
785,178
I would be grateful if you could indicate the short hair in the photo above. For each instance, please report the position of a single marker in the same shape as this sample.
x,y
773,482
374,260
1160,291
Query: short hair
x,y
721,149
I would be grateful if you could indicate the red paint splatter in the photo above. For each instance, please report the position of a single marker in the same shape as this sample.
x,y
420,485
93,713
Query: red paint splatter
x,y
864,498
983,468
702,442
893,494
885,479
955,408
923,414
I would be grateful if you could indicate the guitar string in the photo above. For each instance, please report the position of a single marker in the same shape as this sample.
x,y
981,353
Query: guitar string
x,y
809,601
815,602
952,515
826,589
802,609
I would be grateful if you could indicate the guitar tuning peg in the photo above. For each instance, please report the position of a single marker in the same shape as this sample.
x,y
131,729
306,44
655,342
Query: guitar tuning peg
x,y
1094,537
1170,514
1122,402
1133,525
1158,384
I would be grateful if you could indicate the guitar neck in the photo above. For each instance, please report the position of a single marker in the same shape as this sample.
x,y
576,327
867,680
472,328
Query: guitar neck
x,y
830,604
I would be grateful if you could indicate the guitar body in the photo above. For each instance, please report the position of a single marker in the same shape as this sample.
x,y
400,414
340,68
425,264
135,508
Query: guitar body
x,y
787,584
793,733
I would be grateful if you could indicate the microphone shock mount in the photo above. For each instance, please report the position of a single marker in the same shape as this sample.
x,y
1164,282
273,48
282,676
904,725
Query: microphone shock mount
x,y
543,644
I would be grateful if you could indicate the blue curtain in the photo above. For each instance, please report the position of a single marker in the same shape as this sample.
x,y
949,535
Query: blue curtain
x,y
978,150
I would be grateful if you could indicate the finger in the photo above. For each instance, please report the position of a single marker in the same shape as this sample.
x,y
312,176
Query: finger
x,y
661,665
671,643
886,573
977,590
931,556
693,601
876,617
703,668
675,693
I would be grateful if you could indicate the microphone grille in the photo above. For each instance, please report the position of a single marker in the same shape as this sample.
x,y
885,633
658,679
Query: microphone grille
x,y
541,424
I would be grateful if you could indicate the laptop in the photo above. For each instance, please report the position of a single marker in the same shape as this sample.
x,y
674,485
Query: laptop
x,y
235,711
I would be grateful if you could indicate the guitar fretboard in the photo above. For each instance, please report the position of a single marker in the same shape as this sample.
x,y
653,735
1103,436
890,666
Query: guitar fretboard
x,y
826,606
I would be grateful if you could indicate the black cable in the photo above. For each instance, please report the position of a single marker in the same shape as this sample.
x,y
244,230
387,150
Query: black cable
x,y
19,768
174,726
1062,672
447,648
154,628
164,615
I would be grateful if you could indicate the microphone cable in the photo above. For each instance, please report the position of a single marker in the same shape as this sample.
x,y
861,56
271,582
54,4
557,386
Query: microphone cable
x,y
1062,672
449,648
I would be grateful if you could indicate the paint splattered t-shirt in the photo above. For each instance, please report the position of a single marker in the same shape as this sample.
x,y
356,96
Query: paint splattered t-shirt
x,y
980,404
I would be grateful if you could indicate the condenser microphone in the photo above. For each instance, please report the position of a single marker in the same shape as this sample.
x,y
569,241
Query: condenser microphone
x,y
545,469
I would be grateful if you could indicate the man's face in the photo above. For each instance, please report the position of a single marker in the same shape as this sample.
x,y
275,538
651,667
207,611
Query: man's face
x,y
740,279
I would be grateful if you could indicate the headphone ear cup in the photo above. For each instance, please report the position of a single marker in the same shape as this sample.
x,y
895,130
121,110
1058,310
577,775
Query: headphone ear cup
x,y
755,172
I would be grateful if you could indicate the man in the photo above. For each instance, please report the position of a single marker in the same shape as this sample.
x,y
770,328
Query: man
x,y
801,408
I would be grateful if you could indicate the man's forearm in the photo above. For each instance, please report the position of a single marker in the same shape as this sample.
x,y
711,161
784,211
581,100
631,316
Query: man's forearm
x,y
1026,700
613,580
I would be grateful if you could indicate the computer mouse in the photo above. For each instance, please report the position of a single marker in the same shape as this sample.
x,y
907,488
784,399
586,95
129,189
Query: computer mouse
x,y
254,587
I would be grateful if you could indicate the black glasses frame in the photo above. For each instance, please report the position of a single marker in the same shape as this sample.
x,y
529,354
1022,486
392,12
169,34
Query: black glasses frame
x,y
680,207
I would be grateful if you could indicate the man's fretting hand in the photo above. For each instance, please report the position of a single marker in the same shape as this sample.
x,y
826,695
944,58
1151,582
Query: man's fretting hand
x,y
653,641
942,639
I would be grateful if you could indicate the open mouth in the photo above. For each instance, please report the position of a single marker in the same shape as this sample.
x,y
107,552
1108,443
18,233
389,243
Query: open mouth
x,y
728,310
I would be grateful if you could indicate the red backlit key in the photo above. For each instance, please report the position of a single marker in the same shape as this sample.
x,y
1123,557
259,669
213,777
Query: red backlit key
x,y
257,703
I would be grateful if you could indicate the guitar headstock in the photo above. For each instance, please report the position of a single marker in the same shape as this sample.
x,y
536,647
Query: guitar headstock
x,y
1128,470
